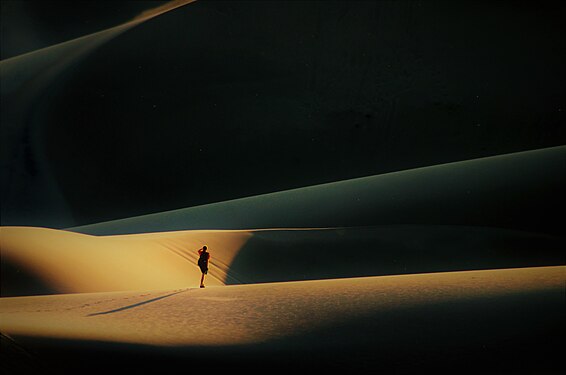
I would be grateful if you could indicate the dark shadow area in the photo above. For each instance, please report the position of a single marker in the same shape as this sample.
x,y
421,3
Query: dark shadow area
x,y
390,250
15,359
17,281
521,191
511,334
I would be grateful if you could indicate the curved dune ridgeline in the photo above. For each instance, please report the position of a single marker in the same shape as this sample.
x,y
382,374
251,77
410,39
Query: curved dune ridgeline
x,y
39,68
64,262
522,191
29,82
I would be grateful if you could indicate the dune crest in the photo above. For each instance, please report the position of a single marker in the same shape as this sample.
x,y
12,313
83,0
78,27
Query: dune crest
x,y
492,191
37,68
69,262
154,12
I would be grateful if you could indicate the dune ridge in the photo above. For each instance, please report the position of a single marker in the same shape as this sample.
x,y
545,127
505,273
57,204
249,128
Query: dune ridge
x,y
66,262
29,82
520,191
43,65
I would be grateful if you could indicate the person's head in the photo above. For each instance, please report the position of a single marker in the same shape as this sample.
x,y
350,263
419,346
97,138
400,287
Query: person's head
x,y
204,247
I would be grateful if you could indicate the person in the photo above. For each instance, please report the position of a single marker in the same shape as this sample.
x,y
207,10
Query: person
x,y
204,256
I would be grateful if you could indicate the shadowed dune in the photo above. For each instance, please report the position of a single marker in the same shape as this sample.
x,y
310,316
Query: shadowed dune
x,y
29,81
441,321
283,255
36,69
222,100
521,191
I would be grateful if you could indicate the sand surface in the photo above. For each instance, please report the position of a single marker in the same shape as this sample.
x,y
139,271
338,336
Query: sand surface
x,y
391,314
259,312
47,261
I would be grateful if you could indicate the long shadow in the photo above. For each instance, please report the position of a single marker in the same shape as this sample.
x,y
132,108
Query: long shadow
x,y
16,280
135,304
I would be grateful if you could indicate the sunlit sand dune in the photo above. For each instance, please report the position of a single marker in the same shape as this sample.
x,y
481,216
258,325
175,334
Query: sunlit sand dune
x,y
393,322
61,261
45,261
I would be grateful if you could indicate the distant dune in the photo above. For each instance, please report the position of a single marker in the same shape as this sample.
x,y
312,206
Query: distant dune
x,y
30,79
34,70
522,191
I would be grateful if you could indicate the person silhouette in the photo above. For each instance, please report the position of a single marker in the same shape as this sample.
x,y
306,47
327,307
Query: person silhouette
x,y
204,256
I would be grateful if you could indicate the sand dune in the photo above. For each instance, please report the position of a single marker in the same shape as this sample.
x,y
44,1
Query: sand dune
x,y
29,84
66,262
38,68
402,322
134,301
522,191
45,261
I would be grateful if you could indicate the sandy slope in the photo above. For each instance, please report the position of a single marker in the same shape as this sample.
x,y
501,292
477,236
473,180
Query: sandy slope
x,y
36,69
45,261
463,316
29,82
521,191
61,261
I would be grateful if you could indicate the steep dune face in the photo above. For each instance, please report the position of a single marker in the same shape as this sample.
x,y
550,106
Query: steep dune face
x,y
65,262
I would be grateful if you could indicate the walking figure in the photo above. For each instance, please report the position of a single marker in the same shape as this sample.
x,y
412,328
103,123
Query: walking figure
x,y
204,256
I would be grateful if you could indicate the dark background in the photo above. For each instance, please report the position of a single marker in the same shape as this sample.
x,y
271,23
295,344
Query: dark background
x,y
221,100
